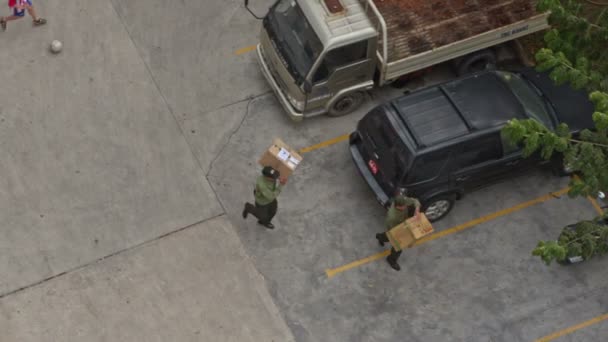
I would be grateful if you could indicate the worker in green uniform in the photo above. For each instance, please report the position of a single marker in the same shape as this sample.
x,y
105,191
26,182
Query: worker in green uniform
x,y
397,213
265,192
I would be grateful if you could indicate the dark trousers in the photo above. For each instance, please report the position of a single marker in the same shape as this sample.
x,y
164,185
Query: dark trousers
x,y
382,237
264,213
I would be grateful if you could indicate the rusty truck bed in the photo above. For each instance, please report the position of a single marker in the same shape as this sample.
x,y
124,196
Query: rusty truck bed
x,y
416,26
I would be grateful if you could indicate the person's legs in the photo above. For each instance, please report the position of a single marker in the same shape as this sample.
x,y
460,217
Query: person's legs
x,y
20,13
253,210
266,213
392,259
272,210
12,17
32,12
382,238
4,20
263,213
247,209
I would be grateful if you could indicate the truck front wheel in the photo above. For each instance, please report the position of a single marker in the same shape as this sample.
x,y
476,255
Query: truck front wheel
x,y
346,104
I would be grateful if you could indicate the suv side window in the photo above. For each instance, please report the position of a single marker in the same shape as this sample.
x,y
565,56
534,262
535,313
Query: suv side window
x,y
339,57
428,166
479,150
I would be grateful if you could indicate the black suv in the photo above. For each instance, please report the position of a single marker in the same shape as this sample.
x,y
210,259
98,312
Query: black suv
x,y
442,141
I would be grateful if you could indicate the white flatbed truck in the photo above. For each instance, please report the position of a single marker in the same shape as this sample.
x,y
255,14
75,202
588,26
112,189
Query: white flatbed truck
x,y
321,56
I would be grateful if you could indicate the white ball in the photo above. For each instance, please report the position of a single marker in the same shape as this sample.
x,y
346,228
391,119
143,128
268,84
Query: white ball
x,y
56,46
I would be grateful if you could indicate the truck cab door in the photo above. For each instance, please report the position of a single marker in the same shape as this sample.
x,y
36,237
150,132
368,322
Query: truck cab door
x,y
340,68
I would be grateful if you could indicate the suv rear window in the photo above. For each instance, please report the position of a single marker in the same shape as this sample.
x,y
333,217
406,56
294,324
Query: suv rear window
x,y
394,156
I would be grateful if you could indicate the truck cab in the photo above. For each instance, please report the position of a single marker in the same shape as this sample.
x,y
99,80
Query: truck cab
x,y
318,59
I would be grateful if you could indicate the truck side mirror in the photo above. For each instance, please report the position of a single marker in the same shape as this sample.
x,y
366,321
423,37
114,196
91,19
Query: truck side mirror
x,y
253,14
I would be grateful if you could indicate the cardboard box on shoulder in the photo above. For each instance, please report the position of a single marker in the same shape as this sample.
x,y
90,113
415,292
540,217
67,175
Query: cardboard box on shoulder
x,y
281,157
405,234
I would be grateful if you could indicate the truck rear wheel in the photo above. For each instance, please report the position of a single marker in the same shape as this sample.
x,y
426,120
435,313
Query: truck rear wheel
x,y
476,61
346,104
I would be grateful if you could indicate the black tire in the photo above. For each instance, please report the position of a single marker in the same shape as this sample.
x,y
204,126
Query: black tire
x,y
346,104
476,61
439,206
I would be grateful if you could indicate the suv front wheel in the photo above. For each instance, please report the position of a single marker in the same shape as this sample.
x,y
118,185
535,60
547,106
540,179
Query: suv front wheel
x,y
438,206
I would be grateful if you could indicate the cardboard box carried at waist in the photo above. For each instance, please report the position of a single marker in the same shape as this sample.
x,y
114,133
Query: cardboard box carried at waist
x,y
405,234
281,157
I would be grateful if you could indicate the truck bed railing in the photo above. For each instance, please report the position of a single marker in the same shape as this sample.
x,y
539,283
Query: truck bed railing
x,y
369,5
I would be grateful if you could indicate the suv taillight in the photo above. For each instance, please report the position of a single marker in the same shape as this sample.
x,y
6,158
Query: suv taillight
x,y
373,166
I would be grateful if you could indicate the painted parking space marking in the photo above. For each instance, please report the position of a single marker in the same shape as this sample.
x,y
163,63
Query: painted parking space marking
x,y
324,144
573,328
245,50
335,271
595,205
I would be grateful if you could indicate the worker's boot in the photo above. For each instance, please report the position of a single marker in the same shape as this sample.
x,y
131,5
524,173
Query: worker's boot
x,y
245,211
393,264
392,259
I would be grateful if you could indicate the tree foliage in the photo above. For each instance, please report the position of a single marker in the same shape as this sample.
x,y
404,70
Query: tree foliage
x,y
576,52
586,239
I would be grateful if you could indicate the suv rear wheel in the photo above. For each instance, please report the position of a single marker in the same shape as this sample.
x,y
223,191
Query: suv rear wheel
x,y
438,206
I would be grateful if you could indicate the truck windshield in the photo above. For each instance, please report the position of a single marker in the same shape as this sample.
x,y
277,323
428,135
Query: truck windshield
x,y
300,45
534,105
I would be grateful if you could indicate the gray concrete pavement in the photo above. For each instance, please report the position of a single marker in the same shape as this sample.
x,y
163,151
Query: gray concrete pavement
x,y
94,161
180,288
479,285
190,47
107,147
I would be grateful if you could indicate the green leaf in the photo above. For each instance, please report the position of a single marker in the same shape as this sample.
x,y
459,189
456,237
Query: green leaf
x,y
531,144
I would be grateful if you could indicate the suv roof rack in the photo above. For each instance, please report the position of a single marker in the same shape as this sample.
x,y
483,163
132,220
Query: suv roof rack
x,y
437,114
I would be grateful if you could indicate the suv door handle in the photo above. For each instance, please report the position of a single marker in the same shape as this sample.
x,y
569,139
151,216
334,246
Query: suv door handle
x,y
511,163
460,179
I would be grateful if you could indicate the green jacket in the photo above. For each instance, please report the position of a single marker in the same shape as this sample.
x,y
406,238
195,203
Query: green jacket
x,y
266,190
395,216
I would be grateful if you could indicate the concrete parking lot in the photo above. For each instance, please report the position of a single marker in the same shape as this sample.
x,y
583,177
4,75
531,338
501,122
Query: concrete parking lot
x,y
131,154
478,284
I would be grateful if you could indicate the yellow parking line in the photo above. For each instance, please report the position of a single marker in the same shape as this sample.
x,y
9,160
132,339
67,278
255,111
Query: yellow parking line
x,y
325,143
595,205
334,271
245,50
572,329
